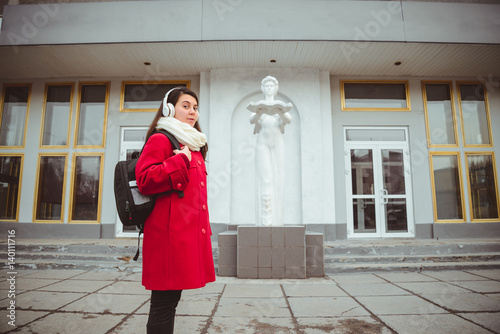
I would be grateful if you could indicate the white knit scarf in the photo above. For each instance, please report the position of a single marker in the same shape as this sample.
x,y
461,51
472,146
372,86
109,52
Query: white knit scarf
x,y
185,133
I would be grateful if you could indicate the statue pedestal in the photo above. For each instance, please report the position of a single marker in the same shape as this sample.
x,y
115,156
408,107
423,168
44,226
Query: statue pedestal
x,y
271,252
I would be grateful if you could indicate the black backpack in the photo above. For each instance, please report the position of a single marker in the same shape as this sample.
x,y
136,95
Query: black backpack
x,y
132,206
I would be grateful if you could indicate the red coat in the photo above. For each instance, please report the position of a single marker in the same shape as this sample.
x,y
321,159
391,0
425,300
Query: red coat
x,y
177,250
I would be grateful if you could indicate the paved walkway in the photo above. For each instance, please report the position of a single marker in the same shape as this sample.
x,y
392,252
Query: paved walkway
x,y
95,302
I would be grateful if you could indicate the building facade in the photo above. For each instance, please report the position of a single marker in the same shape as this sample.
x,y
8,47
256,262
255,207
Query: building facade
x,y
393,132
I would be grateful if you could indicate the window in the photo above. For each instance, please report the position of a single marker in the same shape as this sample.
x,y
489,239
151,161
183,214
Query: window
x,y
483,186
92,114
10,183
440,114
146,95
475,115
447,186
50,185
56,116
375,96
14,114
86,187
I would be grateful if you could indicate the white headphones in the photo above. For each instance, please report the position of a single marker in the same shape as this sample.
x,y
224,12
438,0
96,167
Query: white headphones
x,y
168,108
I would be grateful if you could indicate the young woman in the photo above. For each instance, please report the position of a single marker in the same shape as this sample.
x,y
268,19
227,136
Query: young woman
x,y
177,250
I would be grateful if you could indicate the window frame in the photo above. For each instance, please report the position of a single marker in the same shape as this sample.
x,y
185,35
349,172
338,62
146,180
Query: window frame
x,y
176,83
453,111
72,188
2,99
47,85
21,155
433,186
37,183
487,110
471,208
381,82
77,115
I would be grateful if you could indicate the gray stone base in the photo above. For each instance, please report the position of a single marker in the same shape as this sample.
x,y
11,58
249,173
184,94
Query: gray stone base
x,y
271,252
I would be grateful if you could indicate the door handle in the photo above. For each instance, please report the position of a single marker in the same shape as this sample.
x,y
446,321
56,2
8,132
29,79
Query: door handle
x,y
384,195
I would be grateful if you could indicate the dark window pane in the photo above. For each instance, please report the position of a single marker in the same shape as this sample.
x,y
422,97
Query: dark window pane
x,y
86,188
10,170
50,188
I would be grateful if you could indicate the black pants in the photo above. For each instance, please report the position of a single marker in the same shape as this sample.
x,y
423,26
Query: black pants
x,y
162,312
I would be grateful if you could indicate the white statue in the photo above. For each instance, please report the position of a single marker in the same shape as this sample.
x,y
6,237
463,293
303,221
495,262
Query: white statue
x,y
270,118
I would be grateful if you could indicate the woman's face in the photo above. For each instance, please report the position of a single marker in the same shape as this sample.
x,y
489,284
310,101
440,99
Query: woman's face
x,y
186,109
269,88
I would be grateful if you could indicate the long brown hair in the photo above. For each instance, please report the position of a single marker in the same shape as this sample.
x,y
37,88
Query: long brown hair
x,y
173,97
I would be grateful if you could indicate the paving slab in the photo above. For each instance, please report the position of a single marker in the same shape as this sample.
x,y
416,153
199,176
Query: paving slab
x,y
453,276
359,278
375,289
491,274
488,320
252,308
480,286
45,300
125,287
442,288
107,303
73,323
211,288
103,276
406,277
465,302
252,290
132,325
325,307
75,286
27,284
312,290
250,325
384,305
22,318
197,305
55,274
342,325
431,323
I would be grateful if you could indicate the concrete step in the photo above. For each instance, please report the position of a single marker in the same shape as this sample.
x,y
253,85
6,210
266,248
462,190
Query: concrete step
x,y
340,256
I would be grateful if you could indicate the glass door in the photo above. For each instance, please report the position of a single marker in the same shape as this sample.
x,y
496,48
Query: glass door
x,y
131,142
378,185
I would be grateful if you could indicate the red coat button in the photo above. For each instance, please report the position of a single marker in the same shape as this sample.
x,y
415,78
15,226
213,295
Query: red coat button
x,y
199,162
179,185
203,231
202,183
204,207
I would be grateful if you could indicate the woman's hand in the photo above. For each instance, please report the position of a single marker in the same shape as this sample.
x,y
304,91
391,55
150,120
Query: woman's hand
x,y
184,150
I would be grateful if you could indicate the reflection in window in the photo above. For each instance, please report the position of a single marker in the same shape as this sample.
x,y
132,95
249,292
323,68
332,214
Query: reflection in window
x,y
86,182
394,173
395,215
49,202
10,173
447,187
482,186
56,115
440,114
475,114
14,115
375,96
146,96
363,210
92,114
362,172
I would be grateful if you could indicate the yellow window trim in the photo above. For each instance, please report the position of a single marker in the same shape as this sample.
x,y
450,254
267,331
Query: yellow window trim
x,y
20,184
71,195
407,91
486,106
433,185
2,98
427,128
492,154
47,85
37,183
153,82
77,116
